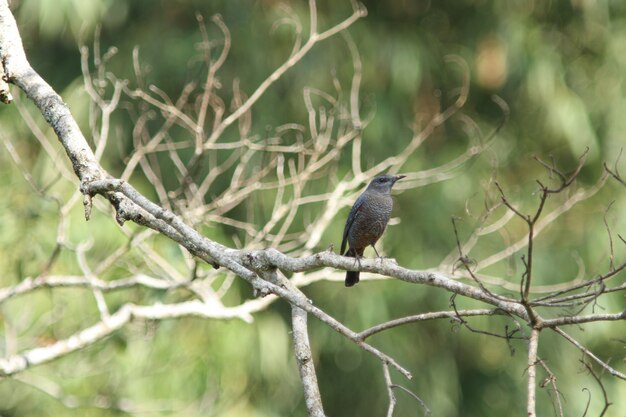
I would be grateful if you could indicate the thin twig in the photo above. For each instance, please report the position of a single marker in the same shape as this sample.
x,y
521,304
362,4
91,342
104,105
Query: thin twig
x,y
453,315
551,379
607,403
412,394
392,397
587,352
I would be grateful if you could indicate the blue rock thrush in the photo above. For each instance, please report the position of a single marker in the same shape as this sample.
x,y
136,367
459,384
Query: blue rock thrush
x,y
367,220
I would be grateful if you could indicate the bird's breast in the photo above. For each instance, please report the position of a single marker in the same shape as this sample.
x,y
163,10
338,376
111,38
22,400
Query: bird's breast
x,y
371,221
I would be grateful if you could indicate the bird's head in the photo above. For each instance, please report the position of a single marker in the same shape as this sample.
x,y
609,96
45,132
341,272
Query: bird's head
x,y
383,183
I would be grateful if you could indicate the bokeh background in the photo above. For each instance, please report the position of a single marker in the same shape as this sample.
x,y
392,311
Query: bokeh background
x,y
559,65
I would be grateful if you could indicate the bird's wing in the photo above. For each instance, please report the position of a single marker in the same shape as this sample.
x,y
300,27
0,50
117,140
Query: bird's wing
x,y
354,212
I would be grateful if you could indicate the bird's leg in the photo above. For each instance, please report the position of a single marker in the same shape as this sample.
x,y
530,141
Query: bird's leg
x,y
357,257
377,255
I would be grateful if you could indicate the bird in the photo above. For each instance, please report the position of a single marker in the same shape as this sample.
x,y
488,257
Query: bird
x,y
367,220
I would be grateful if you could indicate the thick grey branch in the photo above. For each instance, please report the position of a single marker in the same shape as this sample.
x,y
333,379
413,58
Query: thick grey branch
x,y
304,357
386,267
533,344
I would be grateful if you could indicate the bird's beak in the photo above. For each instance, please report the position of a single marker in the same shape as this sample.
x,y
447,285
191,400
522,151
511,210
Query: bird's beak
x,y
398,177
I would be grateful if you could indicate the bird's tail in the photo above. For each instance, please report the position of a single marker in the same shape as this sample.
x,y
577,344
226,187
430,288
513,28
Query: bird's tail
x,y
352,277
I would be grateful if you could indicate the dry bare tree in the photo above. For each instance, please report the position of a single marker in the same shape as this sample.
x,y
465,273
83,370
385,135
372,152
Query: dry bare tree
x,y
295,168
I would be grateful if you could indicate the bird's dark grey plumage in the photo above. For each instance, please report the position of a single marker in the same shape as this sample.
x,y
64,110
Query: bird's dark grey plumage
x,y
367,220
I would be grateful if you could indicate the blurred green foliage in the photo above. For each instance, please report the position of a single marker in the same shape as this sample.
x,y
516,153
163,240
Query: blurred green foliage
x,y
559,65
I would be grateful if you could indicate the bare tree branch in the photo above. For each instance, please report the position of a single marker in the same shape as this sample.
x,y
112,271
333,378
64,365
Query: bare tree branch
x,y
452,315
392,397
587,352
607,403
551,380
418,399
304,357
533,343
